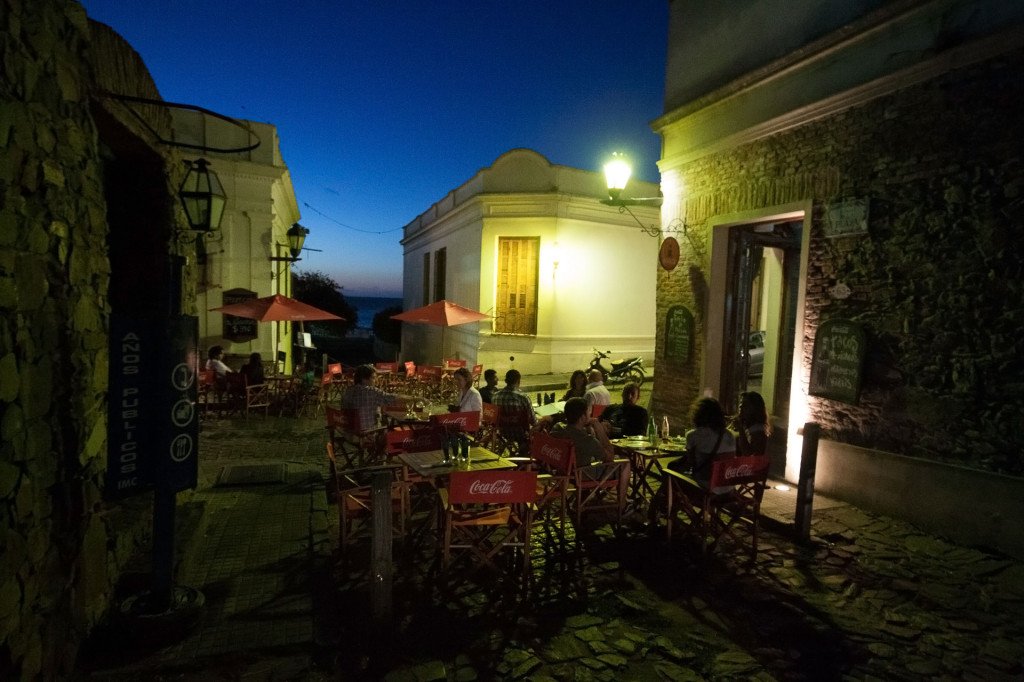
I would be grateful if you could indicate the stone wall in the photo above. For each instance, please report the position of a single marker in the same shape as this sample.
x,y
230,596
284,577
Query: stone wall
x,y
63,546
937,281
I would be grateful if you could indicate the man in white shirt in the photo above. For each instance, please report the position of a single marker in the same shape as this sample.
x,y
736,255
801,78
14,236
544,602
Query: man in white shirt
x,y
596,393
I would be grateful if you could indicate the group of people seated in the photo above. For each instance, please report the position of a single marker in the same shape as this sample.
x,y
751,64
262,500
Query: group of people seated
x,y
710,438
251,370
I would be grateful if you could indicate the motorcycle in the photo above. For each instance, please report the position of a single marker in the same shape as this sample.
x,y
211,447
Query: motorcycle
x,y
631,369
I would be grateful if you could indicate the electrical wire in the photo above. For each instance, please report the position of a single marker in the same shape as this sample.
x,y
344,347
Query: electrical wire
x,y
348,227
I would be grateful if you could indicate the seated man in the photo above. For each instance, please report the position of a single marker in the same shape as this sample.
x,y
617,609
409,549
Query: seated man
x,y
587,435
490,385
628,418
366,398
596,393
515,407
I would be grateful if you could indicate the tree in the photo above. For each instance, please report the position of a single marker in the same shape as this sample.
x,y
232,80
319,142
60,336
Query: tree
x,y
386,329
317,289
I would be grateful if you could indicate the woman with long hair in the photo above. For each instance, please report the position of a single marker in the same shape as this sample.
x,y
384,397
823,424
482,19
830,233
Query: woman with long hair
x,y
752,425
577,385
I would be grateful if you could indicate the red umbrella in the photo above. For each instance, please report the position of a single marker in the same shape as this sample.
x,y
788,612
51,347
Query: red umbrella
x,y
276,308
441,314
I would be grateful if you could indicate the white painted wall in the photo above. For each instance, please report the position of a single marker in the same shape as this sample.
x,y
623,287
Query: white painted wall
x,y
601,294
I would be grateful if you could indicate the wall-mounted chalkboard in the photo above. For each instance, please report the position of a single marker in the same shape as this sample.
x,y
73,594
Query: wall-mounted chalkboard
x,y
837,361
239,329
678,335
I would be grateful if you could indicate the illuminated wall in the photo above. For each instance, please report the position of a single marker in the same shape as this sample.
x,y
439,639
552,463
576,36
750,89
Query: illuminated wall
x,y
601,294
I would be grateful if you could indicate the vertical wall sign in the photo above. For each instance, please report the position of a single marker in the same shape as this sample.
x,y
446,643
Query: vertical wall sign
x,y
153,428
239,329
132,397
678,335
839,348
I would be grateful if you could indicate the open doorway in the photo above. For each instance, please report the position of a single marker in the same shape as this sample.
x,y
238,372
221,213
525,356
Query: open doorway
x,y
759,318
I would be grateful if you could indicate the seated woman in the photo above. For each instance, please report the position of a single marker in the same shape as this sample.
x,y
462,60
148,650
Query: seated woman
x,y
752,425
253,370
627,418
708,442
577,385
469,396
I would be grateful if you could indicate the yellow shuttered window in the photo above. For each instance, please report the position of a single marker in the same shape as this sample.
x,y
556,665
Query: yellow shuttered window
x,y
516,307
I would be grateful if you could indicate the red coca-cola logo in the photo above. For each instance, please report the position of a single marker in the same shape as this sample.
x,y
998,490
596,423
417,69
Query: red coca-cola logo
x,y
418,441
550,453
739,471
501,486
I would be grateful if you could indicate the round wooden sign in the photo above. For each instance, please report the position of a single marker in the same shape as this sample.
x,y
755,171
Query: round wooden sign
x,y
668,256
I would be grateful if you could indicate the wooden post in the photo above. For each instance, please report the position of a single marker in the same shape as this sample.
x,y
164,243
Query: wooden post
x,y
380,557
805,487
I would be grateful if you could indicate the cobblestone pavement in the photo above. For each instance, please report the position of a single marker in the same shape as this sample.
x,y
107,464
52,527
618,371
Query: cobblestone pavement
x,y
869,598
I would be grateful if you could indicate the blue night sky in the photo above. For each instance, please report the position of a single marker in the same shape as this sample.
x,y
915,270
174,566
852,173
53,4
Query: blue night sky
x,y
384,107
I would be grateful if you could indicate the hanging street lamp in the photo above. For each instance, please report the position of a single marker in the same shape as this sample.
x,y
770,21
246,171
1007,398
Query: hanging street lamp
x,y
203,197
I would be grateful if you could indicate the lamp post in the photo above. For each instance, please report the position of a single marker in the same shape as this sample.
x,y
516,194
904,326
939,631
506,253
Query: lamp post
x,y
202,196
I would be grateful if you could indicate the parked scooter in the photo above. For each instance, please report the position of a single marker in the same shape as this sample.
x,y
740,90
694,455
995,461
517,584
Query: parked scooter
x,y
622,370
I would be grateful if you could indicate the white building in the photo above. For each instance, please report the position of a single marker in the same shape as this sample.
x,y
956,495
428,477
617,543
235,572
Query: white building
x,y
235,260
530,243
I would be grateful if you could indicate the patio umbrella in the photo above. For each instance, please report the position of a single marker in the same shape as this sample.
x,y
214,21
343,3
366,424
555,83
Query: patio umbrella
x,y
276,308
441,314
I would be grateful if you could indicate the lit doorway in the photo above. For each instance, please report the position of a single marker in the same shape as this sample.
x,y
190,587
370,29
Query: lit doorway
x,y
760,313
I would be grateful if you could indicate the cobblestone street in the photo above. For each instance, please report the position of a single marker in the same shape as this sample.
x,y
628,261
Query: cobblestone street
x,y
868,598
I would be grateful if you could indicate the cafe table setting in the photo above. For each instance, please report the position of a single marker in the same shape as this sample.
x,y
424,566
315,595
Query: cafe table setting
x,y
644,454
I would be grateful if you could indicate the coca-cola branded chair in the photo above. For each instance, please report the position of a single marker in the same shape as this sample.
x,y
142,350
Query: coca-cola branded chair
x,y
487,436
712,517
486,513
353,493
465,422
553,459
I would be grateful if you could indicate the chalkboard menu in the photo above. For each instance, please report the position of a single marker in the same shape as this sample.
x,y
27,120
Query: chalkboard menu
x,y
678,335
239,329
837,361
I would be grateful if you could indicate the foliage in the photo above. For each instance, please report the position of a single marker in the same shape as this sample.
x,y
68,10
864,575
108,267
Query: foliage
x,y
317,289
386,329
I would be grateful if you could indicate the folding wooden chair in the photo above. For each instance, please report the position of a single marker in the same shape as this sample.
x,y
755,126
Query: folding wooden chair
x,y
257,397
466,422
353,493
487,436
208,396
713,516
600,486
513,434
552,458
485,513
357,446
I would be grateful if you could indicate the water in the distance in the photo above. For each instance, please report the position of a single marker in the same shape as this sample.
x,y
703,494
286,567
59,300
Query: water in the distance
x,y
368,307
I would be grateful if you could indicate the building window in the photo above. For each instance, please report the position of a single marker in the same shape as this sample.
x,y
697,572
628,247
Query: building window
x,y
426,278
440,258
516,307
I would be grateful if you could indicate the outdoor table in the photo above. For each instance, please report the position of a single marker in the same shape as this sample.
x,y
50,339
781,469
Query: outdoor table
x,y
430,465
395,418
285,391
643,455
550,409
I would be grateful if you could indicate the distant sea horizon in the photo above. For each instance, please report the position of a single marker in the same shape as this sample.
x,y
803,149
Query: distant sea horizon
x,y
369,306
